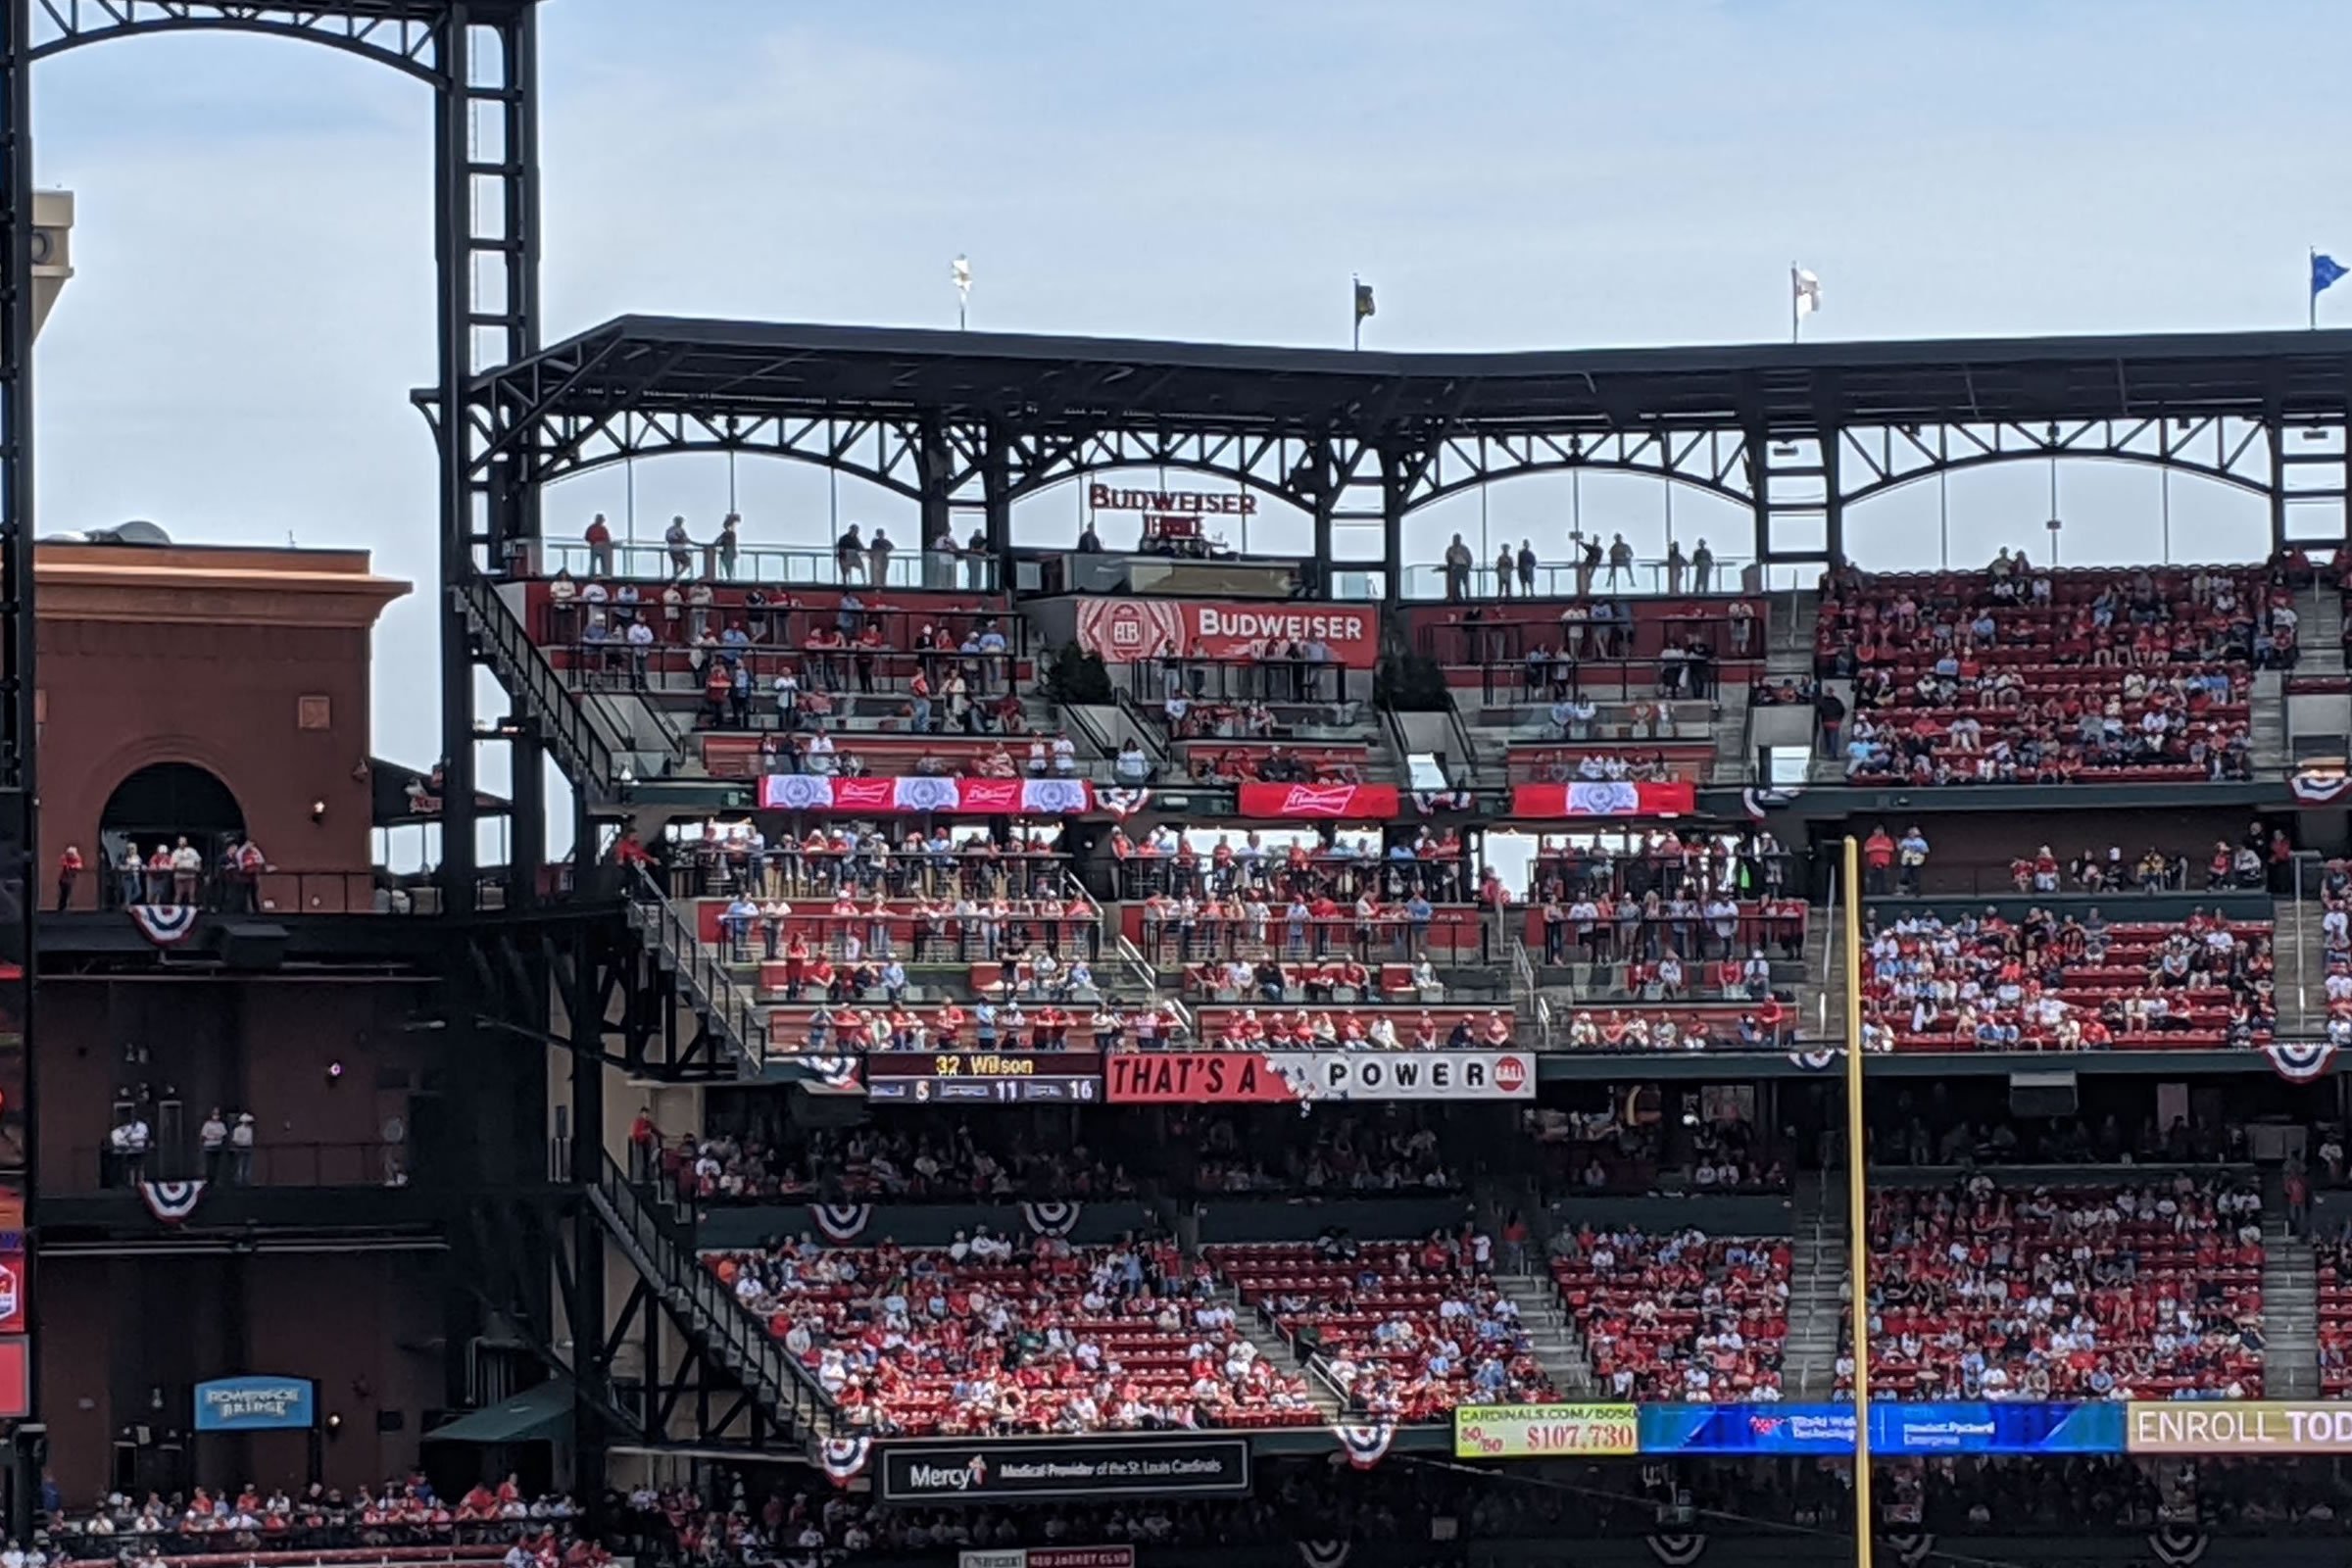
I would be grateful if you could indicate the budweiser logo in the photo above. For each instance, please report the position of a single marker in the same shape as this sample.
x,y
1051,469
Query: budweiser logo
x,y
1318,799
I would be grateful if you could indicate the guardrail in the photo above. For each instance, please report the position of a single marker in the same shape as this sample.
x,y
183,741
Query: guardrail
x,y
707,984
901,565
96,1167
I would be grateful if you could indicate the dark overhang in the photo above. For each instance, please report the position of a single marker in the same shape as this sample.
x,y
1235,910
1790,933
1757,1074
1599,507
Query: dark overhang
x,y
757,369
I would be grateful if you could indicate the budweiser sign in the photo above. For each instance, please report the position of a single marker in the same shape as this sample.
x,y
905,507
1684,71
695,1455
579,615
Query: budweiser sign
x,y
1133,630
1231,504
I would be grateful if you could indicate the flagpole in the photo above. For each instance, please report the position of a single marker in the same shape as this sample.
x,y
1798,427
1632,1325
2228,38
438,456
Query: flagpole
x,y
1355,308
1797,320
2311,291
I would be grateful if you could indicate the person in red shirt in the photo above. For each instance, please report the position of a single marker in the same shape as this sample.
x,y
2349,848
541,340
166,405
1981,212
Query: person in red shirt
x,y
1878,860
68,870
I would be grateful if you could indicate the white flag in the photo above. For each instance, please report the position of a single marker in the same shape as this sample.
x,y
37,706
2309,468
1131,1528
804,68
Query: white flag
x,y
1807,289
963,273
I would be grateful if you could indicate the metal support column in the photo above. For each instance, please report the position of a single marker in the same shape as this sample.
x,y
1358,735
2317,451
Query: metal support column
x,y
1396,489
936,471
995,498
21,863
1799,514
1326,500
592,1372
486,243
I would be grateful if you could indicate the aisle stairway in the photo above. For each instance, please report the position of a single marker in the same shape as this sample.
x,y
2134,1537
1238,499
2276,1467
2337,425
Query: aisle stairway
x,y
1551,1338
2291,1315
1277,1351
1809,1363
2302,993
2267,724
2321,633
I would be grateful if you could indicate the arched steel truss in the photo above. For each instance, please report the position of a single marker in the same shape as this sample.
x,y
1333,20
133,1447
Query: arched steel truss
x,y
404,38
948,461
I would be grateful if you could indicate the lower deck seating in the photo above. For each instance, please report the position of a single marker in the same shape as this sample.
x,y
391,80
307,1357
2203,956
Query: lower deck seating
x,y
1681,1317
994,1339
1409,1330
2151,1291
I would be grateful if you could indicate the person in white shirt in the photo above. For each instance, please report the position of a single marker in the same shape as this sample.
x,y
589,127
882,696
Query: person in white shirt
x,y
1065,755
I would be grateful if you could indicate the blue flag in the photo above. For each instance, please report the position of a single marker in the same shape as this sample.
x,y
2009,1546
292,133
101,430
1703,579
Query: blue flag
x,y
2325,271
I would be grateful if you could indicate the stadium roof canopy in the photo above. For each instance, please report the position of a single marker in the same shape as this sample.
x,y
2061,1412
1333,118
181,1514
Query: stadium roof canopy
x,y
651,364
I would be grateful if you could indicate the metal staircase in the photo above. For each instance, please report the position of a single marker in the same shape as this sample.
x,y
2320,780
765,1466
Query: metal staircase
x,y
725,1006
588,757
707,1312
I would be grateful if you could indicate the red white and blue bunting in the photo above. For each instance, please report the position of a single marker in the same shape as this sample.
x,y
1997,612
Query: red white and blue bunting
x,y
1677,1548
1365,1446
166,925
171,1202
841,1222
831,1074
1123,803
923,795
2300,1061
1325,1554
2320,784
1052,1218
1821,1060
1760,802
2179,1545
844,1457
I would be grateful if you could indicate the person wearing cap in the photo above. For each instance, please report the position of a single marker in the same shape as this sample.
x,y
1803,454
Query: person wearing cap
x,y
240,1150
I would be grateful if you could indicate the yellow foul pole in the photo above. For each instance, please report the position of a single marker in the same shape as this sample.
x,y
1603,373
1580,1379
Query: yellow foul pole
x,y
1858,1226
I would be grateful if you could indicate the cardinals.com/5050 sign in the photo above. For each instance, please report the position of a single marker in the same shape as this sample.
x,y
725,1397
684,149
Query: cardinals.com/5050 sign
x,y
935,1473
1132,631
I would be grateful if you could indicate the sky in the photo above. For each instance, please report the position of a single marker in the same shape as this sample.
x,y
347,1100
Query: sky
x,y
252,303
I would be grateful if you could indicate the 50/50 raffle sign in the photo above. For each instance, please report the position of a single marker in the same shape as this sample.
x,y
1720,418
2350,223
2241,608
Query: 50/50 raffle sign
x,y
1132,631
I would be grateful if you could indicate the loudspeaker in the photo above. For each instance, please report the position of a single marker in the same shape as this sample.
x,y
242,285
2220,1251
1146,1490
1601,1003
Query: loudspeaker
x,y
252,944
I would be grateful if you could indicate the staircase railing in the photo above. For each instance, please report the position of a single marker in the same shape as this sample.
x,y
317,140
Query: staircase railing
x,y
584,753
1523,979
707,984
735,1338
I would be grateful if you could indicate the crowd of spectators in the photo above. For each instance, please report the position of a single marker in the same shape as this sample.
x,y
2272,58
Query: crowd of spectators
x,y
1680,1317
2150,1292
1611,1151
1431,862
486,1523
1404,1329
1355,1150
2045,983
860,858
1662,861
1767,1027
1388,1029
930,1162
991,1337
2021,675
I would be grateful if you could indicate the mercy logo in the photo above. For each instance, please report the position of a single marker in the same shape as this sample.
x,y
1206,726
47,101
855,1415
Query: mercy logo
x,y
972,1473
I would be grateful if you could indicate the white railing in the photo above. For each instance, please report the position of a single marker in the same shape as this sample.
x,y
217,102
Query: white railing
x,y
1833,945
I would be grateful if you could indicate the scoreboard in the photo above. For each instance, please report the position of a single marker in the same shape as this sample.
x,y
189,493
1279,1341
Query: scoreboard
x,y
985,1077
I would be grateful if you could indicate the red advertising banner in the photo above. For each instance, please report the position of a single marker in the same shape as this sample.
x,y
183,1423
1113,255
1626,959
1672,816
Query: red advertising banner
x,y
964,797
1603,798
1352,801
1130,631
1278,1077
